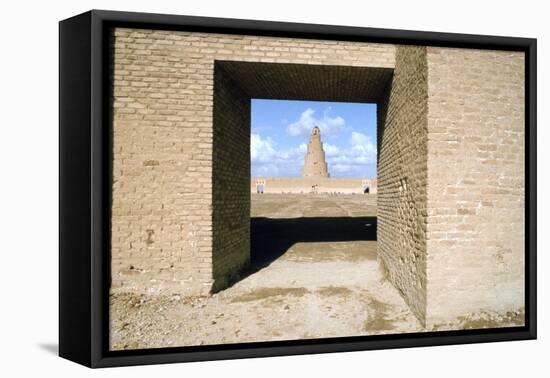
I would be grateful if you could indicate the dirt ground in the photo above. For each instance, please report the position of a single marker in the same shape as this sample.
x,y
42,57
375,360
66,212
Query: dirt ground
x,y
313,274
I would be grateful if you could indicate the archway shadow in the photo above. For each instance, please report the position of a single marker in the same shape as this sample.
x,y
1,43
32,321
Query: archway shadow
x,y
270,238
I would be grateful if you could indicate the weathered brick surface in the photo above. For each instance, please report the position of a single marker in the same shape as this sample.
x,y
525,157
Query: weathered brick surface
x,y
402,174
230,181
300,81
164,166
475,182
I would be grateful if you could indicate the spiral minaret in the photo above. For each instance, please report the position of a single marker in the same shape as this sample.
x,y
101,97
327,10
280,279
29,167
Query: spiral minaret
x,y
315,164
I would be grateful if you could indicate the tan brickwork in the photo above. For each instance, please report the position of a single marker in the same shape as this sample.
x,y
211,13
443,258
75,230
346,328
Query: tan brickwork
x,y
402,173
230,181
162,164
476,183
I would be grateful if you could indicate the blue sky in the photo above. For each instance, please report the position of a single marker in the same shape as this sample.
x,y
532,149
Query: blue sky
x,y
281,128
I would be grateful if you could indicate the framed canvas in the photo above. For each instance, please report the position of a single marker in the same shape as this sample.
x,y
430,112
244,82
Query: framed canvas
x,y
235,188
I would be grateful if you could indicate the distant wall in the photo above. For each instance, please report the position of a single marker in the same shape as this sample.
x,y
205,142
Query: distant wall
x,y
312,185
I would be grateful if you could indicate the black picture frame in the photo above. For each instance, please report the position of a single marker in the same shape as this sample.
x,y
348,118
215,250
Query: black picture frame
x,y
84,195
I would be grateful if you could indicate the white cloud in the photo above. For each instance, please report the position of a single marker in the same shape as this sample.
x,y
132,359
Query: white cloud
x,y
354,160
261,150
359,139
330,150
268,161
328,125
265,170
363,147
341,168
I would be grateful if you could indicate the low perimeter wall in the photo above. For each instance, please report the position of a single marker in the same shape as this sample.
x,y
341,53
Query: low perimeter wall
x,y
299,185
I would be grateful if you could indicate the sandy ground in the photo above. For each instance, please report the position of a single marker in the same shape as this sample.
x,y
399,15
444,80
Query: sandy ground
x,y
314,274
313,289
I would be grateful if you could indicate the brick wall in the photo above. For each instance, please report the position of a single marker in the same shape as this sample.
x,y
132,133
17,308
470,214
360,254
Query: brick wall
x,y
164,129
162,164
475,183
402,173
231,180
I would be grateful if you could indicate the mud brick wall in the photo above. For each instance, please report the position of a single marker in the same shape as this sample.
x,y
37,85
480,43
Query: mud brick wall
x,y
402,177
475,183
231,180
165,210
162,167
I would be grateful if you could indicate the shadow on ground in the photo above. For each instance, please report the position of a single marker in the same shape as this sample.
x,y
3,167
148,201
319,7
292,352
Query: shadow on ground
x,y
270,238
